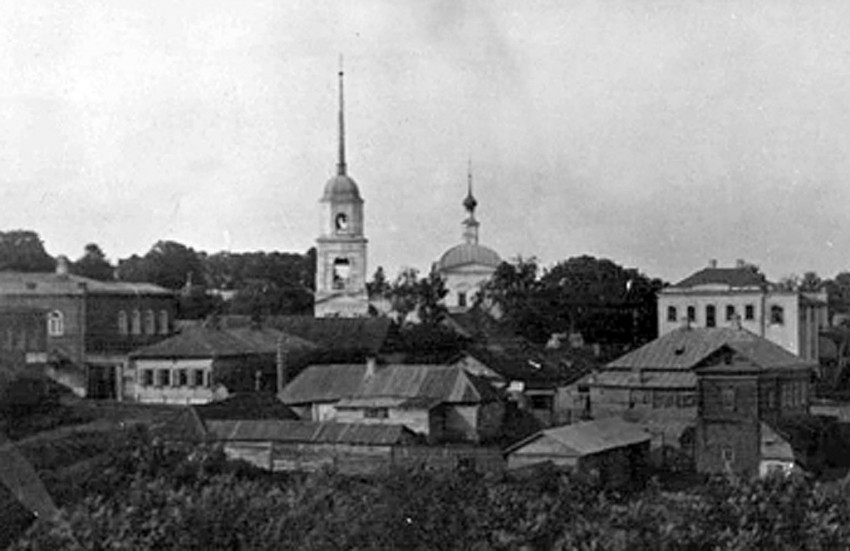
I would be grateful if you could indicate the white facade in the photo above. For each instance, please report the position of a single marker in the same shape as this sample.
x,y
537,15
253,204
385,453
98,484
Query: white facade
x,y
790,319
167,381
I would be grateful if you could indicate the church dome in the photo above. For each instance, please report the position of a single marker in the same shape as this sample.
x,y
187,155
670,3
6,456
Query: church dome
x,y
468,253
341,188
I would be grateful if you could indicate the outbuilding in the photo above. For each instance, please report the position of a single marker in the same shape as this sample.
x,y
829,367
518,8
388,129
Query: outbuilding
x,y
610,451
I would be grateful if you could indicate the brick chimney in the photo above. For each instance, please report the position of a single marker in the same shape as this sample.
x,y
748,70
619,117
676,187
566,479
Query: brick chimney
x,y
712,263
371,367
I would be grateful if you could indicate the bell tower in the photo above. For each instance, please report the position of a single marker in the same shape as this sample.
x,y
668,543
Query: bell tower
x,y
341,245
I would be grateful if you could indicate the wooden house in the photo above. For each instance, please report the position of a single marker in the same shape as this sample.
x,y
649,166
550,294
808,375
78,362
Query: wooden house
x,y
203,363
443,403
610,451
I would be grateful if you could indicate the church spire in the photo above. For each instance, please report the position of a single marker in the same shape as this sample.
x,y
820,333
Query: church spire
x,y
470,225
340,166
469,203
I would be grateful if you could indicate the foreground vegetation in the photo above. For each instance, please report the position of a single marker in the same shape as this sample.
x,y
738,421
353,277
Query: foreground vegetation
x,y
145,496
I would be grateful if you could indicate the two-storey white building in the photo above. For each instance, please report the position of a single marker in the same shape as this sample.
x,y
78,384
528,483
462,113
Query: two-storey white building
x,y
716,297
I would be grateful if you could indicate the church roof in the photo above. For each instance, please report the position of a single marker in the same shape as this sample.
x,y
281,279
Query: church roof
x,y
468,253
342,188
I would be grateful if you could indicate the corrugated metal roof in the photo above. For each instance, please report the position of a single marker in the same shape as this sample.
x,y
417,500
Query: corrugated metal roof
x,y
685,348
590,437
310,432
207,342
329,383
323,383
41,283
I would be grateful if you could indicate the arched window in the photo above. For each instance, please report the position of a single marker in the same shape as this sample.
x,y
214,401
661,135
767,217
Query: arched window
x,y
136,328
710,316
55,324
341,273
150,323
163,322
123,328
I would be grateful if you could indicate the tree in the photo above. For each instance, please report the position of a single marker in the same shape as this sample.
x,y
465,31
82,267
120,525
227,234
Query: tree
x,y
431,291
168,264
93,264
23,251
379,286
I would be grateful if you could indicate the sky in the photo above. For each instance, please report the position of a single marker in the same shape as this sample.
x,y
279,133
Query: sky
x,y
659,134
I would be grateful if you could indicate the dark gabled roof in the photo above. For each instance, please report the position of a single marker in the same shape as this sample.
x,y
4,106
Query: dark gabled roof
x,y
330,383
518,360
323,383
366,334
310,432
588,437
245,406
208,342
686,347
731,277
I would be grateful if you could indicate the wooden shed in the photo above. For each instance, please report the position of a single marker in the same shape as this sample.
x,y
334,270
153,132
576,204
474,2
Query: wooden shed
x,y
609,451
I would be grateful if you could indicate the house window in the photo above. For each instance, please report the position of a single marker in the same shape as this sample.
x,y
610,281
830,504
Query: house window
x,y
804,394
376,413
198,377
770,399
123,327
163,322
541,401
730,312
692,314
727,399
150,323
163,377
147,377
749,312
55,324
727,454
136,321
777,315
182,377
461,299
710,316
672,314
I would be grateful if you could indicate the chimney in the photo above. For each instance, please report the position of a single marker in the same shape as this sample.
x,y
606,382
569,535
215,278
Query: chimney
x,y
712,263
62,265
740,263
371,366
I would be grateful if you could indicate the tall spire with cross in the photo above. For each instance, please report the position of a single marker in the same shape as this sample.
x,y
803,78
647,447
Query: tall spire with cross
x,y
470,225
341,166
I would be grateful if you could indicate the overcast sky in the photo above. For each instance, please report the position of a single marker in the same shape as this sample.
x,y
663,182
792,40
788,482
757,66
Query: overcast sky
x,y
657,133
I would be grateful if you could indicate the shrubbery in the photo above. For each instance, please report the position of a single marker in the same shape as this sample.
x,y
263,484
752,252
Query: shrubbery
x,y
150,497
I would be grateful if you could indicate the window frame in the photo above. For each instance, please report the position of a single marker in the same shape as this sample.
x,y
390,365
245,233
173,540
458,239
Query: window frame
x,y
123,323
672,314
749,312
710,315
55,323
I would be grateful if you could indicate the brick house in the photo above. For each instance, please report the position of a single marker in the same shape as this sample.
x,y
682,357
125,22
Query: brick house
x,y
753,410
90,325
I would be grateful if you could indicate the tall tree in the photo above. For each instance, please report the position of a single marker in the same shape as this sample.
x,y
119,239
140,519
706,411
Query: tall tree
x,y
379,286
168,263
23,251
93,264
